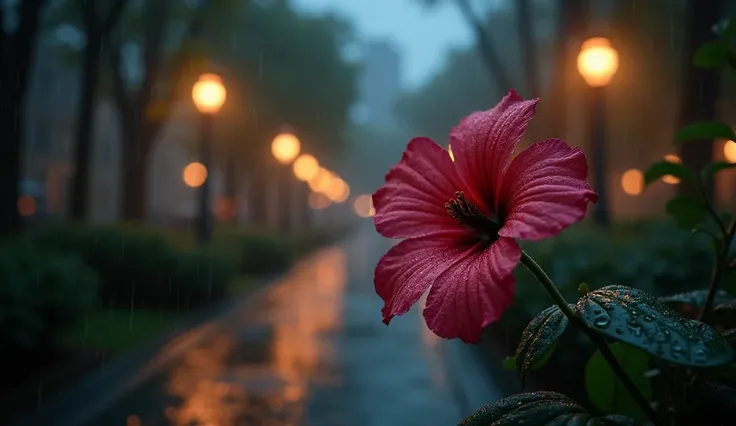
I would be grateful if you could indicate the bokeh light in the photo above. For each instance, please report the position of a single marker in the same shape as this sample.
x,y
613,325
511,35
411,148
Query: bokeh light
x,y
729,151
597,61
363,205
26,205
669,179
632,181
195,174
338,190
224,209
305,167
318,201
321,181
209,93
285,148
449,151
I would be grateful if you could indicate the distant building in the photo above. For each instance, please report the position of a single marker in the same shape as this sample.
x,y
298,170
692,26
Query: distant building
x,y
380,85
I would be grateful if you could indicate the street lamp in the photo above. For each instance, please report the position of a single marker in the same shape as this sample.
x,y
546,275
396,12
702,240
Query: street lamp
x,y
285,148
208,95
597,63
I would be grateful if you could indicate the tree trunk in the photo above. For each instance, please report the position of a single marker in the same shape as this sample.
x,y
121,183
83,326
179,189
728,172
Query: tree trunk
x,y
134,191
699,86
85,123
10,160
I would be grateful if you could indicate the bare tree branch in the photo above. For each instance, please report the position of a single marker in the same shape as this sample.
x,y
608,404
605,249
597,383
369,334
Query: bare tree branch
x,y
112,15
491,59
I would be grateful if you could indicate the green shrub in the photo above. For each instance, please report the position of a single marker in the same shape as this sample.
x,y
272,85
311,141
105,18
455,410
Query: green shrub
x,y
263,253
140,268
41,294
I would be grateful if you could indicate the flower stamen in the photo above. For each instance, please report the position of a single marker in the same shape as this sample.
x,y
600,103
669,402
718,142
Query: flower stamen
x,y
468,214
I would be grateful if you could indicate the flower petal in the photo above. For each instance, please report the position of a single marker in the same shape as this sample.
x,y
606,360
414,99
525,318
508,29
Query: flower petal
x,y
474,292
484,142
544,191
410,267
412,201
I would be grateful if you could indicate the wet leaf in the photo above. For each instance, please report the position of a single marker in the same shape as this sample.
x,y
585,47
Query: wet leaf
x,y
665,168
604,388
687,211
724,314
694,298
705,130
634,316
711,169
539,408
713,54
539,339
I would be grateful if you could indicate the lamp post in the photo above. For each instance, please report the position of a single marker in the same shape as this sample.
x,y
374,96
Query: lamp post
x,y
597,63
208,94
285,149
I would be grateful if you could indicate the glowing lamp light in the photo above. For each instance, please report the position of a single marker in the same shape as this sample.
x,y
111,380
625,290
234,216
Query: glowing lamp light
x,y
285,148
669,179
305,167
26,205
363,205
194,175
318,201
729,151
209,93
321,181
632,181
338,191
597,61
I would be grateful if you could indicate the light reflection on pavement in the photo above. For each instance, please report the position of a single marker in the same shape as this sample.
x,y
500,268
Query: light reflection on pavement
x,y
311,350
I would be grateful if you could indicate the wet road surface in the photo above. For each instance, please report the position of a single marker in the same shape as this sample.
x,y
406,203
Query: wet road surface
x,y
309,350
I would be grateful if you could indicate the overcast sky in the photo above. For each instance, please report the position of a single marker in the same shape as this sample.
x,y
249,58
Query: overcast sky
x,y
422,35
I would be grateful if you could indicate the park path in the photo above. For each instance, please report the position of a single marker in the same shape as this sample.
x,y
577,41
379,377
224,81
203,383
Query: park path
x,y
308,350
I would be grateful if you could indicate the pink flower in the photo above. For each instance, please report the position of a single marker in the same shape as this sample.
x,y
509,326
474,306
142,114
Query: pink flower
x,y
459,220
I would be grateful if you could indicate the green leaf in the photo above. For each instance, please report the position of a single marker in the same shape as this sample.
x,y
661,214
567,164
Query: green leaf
x,y
607,392
634,316
509,363
711,169
539,408
687,211
724,314
708,130
695,298
539,339
713,54
664,168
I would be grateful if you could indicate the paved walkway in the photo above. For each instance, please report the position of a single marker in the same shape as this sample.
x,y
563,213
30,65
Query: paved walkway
x,y
310,350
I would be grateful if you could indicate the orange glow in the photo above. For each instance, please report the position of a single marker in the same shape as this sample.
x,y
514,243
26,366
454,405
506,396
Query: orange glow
x,y
632,181
305,167
225,209
338,191
133,420
209,93
669,179
729,151
318,201
321,181
26,205
363,205
449,151
285,148
597,61
195,174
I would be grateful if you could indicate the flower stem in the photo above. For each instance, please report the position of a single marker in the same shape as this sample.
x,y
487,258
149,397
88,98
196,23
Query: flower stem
x,y
721,259
597,339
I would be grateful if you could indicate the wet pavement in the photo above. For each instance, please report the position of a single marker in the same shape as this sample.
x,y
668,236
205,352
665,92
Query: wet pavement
x,y
309,350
